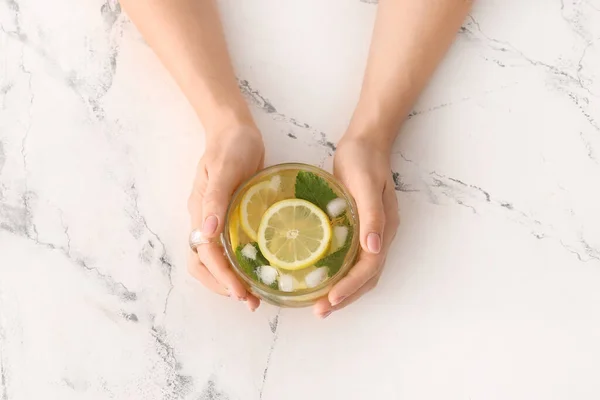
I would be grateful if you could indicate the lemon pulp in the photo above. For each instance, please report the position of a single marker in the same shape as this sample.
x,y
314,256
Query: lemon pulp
x,y
253,205
236,233
294,234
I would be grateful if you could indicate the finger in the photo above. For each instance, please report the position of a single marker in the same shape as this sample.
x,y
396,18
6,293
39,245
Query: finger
x,y
253,302
392,215
367,287
367,267
216,200
212,256
371,214
195,199
323,307
199,271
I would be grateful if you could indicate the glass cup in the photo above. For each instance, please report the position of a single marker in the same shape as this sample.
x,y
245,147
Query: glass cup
x,y
305,296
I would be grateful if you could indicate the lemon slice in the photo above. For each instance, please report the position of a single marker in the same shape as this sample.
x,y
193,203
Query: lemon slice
x,y
236,234
254,203
294,234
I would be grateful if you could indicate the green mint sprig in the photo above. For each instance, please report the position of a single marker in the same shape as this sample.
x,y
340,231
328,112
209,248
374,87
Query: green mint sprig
x,y
335,260
313,188
249,265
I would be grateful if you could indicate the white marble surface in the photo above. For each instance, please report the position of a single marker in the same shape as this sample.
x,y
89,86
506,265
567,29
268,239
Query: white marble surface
x,y
492,290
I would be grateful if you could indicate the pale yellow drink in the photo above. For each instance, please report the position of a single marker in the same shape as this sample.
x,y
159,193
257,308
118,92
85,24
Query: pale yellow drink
x,y
290,233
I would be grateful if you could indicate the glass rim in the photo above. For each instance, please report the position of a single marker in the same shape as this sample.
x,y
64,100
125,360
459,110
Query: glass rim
x,y
353,249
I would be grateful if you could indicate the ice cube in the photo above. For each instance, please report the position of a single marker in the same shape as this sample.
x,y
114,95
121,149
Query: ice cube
x,y
336,207
249,251
267,274
275,182
340,235
314,278
287,283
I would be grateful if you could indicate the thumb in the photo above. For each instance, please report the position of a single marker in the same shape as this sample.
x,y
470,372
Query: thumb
x,y
215,202
371,214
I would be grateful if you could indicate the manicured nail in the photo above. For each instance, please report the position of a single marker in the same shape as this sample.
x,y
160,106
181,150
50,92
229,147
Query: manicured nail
x,y
338,301
327,314
210,225
373,243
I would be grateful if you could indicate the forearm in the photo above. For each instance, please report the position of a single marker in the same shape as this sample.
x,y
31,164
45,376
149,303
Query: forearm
x,y
409,40
187,36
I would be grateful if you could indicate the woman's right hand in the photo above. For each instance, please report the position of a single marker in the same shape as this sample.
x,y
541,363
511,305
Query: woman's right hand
x,y
231,156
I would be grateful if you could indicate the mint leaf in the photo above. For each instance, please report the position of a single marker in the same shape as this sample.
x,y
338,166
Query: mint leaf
x,y
249,265
246,264
313,188
335,260
260,259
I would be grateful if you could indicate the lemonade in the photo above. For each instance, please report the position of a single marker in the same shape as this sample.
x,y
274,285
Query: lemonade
x,y
291,233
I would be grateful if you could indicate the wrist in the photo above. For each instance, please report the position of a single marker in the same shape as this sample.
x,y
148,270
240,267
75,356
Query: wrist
x,y
371,133
374,126
227,121
367,142
220,109
234,131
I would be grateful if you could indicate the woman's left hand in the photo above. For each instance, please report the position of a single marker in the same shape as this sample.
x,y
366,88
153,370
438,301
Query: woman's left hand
x,y
364,168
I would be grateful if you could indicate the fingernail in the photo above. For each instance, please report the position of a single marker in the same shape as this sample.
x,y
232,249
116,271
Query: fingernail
x,y
327,314
338,301
373,243
210,225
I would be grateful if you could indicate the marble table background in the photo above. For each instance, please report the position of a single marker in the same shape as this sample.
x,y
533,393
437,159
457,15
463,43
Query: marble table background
x,y
492,290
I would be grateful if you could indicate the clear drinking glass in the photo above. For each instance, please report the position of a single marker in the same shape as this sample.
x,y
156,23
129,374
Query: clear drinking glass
x,y
344,237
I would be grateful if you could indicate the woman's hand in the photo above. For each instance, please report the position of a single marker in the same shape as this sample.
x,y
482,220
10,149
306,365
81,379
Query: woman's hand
x,y
231,156
363,166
